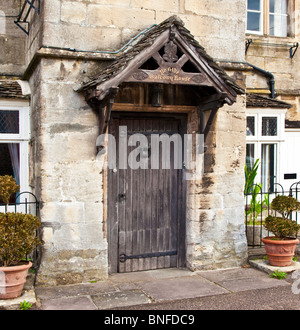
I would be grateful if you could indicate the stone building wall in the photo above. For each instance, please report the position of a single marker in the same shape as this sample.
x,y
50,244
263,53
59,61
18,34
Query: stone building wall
x,y
215,206
63,49
272,54
110,24
12,41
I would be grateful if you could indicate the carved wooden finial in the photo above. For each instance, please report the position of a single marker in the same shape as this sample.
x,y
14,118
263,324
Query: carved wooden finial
x,y
170,52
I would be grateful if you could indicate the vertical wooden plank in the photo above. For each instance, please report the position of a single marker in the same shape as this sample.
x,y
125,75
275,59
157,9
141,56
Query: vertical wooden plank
x,y
147,206
135,206
181,208
141,212
112,215
161,198
174,201
129,192
122,206
154,209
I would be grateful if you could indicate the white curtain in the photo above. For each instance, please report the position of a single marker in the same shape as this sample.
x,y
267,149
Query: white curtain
x,y
15,160
278,18
268,166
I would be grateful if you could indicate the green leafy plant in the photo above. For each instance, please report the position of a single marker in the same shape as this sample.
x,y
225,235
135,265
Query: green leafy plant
x,y
25,305
285,205
256,206
8,186
283,227
278,274
17,237
17,230
250,175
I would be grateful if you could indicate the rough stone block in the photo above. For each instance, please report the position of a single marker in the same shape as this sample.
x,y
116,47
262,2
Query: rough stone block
x,y
165,5
73,12
119,16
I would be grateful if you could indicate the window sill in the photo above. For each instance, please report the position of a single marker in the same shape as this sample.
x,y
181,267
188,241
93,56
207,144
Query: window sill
x,y
266,37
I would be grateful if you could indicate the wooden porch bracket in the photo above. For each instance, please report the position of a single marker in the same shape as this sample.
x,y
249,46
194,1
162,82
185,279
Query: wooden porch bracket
x,y
103,109
212,103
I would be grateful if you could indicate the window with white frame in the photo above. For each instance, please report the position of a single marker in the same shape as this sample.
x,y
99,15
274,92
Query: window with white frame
x,y
255,16
265,132
268,17
14,143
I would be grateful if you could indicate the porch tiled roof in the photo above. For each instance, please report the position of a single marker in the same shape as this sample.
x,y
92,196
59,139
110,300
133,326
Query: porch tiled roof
x,y
10,89
147,39
258,101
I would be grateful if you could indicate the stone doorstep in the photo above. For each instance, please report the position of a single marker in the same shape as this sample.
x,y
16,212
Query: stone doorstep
x,y
14,304
263,265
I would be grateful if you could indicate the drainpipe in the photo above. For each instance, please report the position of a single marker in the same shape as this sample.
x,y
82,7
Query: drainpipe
x,y
268,75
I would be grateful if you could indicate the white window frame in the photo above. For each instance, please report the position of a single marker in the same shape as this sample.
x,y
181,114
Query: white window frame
x,y
22,138
258,114
261,12
265,15
258,139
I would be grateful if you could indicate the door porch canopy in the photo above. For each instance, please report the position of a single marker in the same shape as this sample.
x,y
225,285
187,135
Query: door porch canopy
x,y
166,54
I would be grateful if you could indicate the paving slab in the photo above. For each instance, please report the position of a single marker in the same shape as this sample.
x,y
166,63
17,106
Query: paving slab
x,y
74,290
242,279
264,265
69,303
170,273
120,299
149,275
219,275
181,288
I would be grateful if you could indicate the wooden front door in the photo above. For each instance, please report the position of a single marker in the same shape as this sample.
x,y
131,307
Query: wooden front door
x,y
146,206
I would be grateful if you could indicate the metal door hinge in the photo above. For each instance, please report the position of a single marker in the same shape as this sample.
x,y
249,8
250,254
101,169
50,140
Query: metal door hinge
x,y
123,257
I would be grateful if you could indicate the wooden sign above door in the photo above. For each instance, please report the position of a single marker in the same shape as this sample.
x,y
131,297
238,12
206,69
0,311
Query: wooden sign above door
x,y
173,67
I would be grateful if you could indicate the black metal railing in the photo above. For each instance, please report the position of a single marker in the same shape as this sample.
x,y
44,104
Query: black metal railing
x,y
27,203
257,208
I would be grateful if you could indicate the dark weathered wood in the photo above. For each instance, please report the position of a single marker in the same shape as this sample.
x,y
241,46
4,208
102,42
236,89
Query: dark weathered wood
x,y
149,215
181,236
112,218
170,75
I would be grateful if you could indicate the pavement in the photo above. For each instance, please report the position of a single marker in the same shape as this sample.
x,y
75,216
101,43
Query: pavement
x,y
234,288
164,287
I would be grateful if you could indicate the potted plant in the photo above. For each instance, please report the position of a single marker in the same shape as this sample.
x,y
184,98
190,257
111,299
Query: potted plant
x,y
281,247
17,240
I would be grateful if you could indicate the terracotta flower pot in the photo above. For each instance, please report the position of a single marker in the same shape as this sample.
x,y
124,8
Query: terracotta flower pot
x,y
12,280
280,252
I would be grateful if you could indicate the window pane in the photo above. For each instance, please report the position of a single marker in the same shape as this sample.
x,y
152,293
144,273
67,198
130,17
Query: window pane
x,y
9,122
268,166
249,155
250,126
272,27
10,161
278,18
254,4
253,22
278,6
272,6
269,126
278,25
